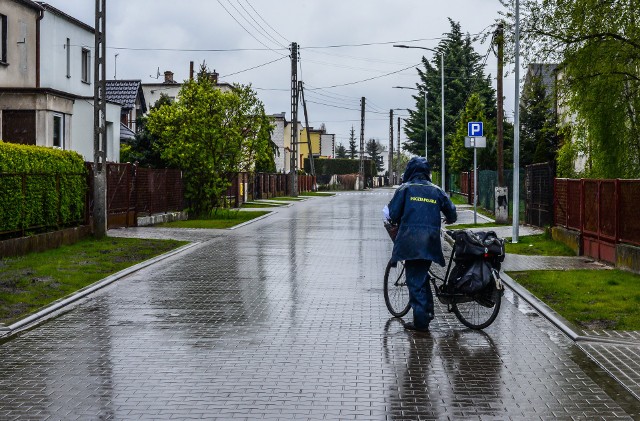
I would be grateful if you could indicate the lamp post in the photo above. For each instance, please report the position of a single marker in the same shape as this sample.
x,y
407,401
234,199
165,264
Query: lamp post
x,y
426,136
516,135
442,102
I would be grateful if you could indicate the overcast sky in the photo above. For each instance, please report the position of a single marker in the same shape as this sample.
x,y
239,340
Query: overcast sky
x,y
136,27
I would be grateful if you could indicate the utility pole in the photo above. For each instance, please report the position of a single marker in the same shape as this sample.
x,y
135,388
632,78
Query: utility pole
x,y
306,123
501,205
293,189
361,172
100,123
398,153
391,175
515,235
500,93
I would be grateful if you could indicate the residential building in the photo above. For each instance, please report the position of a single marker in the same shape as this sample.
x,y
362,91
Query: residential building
x,y
46,80
171,88
129,94
281,137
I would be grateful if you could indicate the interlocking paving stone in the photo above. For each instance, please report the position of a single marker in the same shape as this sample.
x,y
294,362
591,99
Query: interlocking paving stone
x,y
285,319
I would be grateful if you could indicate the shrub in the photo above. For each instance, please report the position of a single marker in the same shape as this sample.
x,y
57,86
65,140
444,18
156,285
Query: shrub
x,y
40,187
340,166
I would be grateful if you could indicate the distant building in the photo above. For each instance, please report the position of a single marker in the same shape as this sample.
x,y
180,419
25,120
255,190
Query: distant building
x,y
171,88
281,137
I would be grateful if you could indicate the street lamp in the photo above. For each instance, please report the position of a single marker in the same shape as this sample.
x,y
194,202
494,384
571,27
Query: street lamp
x,y
442,97
426,136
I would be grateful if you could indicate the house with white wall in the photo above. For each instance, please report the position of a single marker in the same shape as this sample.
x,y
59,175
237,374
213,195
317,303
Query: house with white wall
x,y
47,80
171,88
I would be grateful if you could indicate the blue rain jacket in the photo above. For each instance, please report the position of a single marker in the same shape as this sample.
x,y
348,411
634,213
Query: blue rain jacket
x,y
416,207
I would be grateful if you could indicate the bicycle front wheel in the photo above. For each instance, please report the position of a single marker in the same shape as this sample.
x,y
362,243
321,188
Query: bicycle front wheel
x,y
480,312
396,292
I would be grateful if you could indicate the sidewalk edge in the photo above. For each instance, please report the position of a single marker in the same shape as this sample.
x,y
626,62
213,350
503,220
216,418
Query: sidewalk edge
x,y
59,304
251,221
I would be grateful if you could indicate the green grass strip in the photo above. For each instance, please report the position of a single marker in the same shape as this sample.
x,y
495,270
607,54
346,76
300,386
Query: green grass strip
x,y
261,205
315,193
222,219
538,245
30,282
287,198
591,299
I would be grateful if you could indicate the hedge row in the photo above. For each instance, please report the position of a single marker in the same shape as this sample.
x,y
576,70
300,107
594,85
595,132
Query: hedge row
x,y
40,187
340,166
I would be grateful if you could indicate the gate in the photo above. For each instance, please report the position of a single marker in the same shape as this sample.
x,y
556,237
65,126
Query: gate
x,y
539,194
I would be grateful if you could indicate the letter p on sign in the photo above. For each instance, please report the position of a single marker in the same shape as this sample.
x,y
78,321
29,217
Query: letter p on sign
x,y
475,128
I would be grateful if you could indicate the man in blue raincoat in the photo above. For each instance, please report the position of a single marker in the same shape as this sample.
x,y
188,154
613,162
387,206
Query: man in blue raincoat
x,y
416,208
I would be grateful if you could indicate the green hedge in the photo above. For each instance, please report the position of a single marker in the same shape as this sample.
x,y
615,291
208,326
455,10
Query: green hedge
x,y
340,166
40,187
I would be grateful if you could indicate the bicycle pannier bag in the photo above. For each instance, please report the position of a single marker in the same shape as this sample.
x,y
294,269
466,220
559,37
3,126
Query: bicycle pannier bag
x,y
474,279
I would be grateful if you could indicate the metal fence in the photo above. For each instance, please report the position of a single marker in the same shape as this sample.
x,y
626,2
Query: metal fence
x,y
539,194
133,191
604,211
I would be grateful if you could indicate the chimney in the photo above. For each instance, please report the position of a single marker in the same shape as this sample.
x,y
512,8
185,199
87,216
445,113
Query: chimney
x,y
191,70
168,77
214,77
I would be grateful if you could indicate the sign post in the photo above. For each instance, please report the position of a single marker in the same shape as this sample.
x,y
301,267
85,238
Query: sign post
x,y
475,140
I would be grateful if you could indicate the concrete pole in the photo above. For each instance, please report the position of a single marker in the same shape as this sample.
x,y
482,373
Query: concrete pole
x,y
516,136
442,106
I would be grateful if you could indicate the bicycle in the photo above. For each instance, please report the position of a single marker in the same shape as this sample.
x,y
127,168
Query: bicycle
x,y
476,310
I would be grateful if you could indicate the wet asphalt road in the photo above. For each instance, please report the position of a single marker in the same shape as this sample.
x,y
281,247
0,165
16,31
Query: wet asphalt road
x,y
285,319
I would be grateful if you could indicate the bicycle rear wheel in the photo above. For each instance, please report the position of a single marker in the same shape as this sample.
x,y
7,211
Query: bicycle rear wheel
x,y
480,312
396,292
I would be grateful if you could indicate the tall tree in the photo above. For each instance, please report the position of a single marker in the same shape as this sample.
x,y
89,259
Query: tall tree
x,y
464,75
598,44
538,138
211,135
374,150
353,149
460,158
341,151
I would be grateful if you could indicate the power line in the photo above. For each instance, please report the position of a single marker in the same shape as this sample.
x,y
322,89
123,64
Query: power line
x,y
368,79
246,30
267,23
261,30
365,44
254,67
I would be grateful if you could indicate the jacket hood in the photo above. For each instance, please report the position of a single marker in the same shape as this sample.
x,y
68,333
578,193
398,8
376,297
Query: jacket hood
x,y
417,168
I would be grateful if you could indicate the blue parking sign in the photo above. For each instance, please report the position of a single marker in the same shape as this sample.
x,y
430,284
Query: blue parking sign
x,y
475,128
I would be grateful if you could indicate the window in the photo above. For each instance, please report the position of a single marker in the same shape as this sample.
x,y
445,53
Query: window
x,y
86,65
3,38
58,131
68,47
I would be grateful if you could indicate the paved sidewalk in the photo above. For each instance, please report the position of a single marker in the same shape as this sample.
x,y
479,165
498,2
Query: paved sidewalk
x,y
618,353
284,318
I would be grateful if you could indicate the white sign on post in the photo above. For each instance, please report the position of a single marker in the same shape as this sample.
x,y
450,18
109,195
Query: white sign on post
x,y
475,142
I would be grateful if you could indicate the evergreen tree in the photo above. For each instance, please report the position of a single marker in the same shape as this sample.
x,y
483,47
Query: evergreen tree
x,y
460,158
353,150
144,149
374,149
341,151
538,139
464,75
